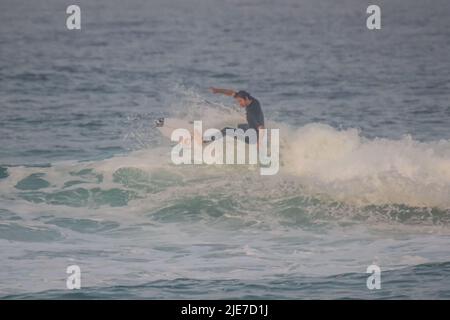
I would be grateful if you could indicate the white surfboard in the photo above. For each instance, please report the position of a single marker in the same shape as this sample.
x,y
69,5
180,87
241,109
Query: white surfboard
x,y
167,125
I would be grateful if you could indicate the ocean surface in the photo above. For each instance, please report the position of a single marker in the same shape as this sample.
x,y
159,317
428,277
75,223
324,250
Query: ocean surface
x,y
86,179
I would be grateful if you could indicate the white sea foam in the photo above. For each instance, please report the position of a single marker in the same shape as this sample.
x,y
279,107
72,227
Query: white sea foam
x,y
342,164
349,167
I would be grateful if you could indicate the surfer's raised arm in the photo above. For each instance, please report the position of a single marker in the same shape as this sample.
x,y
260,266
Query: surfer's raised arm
x,y
255,116
226,92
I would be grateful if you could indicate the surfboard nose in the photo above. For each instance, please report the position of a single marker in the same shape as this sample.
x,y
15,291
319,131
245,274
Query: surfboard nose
x,y
159,122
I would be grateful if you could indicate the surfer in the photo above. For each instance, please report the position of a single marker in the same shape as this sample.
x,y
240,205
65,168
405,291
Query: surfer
x,y
255,116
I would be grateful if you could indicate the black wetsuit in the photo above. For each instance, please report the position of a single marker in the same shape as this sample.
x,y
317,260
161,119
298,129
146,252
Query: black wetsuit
x,y
255,118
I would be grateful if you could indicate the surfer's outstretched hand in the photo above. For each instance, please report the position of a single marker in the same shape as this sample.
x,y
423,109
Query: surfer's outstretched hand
x,y
226,92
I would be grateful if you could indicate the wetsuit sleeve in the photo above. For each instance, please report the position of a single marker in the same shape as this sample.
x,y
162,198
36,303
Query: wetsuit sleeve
x,y
256,118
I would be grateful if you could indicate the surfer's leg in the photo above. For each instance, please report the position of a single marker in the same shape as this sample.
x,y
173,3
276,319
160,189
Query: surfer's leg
x,y
212,138
224,130
245,127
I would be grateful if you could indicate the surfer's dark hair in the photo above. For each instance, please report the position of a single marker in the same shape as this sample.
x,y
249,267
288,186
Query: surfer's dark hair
x,y
243,94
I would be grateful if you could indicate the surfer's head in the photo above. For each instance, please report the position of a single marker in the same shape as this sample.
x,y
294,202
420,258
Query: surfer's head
x,y
243,98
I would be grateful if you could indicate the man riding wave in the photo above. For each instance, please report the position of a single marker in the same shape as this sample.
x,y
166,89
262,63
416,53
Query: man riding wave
x,y
255,116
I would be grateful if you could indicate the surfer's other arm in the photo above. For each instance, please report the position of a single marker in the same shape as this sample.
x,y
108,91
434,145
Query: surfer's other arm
x,y
226,92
